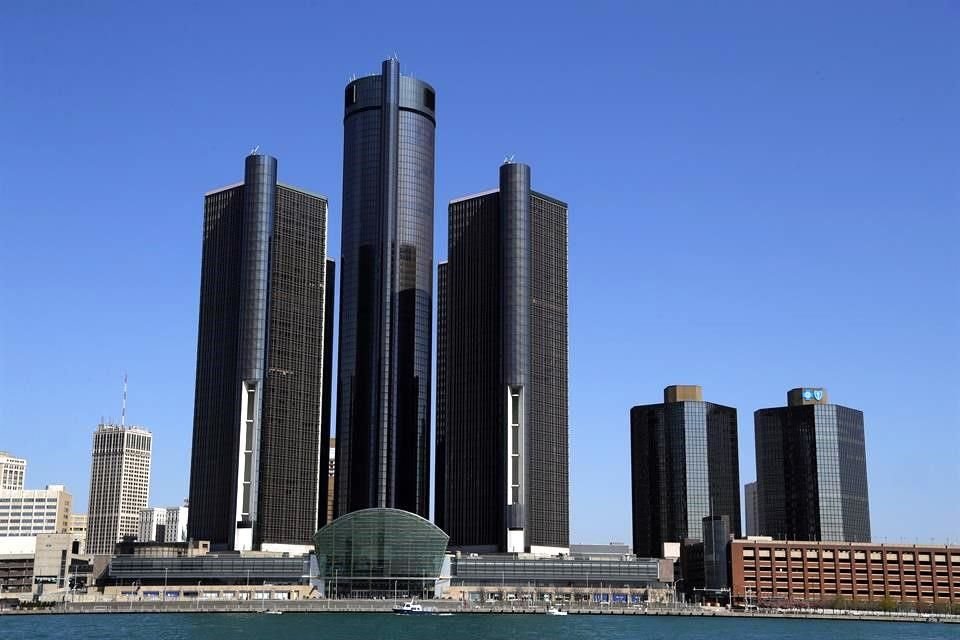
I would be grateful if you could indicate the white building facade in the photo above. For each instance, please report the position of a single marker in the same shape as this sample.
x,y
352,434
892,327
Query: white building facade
x,y
30,512
119,485
153,524
13,470
176,524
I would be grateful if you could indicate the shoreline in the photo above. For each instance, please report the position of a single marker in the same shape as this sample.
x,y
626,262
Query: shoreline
x,y
381,607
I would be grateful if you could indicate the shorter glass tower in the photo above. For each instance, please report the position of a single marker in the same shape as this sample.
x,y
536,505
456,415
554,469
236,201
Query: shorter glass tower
x,y
811,470
685,465
502,429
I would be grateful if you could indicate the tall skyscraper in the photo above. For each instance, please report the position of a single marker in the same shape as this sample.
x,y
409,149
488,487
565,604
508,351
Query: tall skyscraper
x,y
812,470
752,508
502,474
119,484
685,464
386,288
259,463
12,472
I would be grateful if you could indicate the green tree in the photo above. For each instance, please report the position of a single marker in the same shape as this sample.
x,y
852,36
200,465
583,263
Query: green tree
x,y
888,604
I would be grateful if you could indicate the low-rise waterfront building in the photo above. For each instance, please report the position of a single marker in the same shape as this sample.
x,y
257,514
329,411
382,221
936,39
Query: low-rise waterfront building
x,y
42,564
611,551
506,577
840,574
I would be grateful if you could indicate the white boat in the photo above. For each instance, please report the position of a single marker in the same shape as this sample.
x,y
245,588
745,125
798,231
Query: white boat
x,y
556,611
412,609
273,612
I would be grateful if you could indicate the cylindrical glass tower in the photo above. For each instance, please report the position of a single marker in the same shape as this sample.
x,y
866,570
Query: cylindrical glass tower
x,y
383,383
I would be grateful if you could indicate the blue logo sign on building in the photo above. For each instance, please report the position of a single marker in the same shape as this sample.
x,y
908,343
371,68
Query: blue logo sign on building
x,y
818,394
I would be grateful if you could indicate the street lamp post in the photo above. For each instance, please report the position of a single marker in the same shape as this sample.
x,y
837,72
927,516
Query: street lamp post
x,y
165,571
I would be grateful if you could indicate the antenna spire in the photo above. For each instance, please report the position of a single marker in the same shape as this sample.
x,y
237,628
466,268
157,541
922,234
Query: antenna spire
x,y
123,405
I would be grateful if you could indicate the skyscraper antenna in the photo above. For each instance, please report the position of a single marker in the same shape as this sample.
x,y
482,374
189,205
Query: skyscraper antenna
x,y
123,405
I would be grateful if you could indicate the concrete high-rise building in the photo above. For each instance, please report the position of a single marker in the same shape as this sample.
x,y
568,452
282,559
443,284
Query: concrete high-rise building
x,y
153,525
685,467
77,527
12,472
175,521
119,485
812,470
386,291
752,508
30,512
502,472
258,466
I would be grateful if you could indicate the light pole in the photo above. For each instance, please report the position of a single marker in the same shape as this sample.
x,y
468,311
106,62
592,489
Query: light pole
x,y
165,570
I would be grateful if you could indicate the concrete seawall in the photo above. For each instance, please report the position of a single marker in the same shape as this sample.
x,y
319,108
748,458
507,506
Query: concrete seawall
x,y
443,606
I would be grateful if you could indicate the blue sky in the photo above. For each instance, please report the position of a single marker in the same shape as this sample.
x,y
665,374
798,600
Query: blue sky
x,y
762,196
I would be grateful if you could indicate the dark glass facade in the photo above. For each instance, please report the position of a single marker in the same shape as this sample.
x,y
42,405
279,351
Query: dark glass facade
x,y
716,558
258,466
685,467
383,383
502,433
812,473
439,485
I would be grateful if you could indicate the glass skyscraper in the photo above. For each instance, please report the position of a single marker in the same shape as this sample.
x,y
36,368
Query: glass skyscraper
x,y
502,430
258,477
685,467
383,383
812,470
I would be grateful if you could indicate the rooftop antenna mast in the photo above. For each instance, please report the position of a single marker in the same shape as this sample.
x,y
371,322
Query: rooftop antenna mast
x,y
123,405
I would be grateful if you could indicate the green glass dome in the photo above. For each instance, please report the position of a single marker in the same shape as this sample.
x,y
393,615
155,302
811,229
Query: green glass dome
x,y
376,551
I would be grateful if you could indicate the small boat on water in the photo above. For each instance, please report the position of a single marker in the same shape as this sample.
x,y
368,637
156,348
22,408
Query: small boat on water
x,y
413,609
272,612
556,611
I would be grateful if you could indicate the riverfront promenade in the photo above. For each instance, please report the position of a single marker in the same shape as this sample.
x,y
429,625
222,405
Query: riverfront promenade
x,y
448,606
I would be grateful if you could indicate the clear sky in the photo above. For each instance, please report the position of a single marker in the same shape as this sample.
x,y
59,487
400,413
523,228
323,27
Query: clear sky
x,y
762,196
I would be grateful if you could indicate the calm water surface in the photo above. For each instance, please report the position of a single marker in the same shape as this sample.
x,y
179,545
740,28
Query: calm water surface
x,y
292,626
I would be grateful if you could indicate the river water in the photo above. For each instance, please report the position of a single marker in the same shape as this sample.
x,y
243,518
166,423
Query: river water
x,y
346,626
